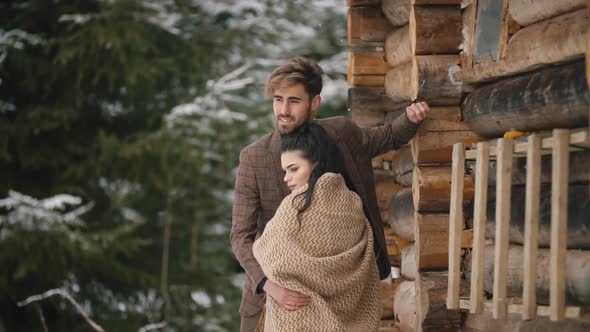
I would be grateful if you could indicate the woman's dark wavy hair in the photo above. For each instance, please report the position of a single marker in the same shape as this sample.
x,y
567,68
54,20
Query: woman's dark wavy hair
x,y
316,147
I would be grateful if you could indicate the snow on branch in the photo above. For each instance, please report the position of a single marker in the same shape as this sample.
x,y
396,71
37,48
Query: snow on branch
x,y
64,294
151,327
53,213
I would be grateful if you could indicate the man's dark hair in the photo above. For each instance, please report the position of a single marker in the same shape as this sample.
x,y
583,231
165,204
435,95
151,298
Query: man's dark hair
x,y
298,70
317,148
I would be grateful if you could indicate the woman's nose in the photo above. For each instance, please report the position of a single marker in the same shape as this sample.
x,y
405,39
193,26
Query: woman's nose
x,y
286,178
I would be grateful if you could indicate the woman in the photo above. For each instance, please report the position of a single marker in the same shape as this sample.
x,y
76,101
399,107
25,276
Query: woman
x,y
319,242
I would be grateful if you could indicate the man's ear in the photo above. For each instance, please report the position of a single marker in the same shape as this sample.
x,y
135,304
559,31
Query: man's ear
x,y
315,103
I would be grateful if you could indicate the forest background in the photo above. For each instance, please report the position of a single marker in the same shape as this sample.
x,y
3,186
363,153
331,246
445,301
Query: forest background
x,y
121,122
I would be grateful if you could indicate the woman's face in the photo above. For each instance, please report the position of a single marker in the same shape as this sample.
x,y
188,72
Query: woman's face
x,y
297,169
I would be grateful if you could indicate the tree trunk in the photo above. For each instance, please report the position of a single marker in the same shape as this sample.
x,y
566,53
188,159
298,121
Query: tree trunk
x,y
431,308
434,140
578,210
577,274
431,188
555,40
435,30
396,11
556,97
526,12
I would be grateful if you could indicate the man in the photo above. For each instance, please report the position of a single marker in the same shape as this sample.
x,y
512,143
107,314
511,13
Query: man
x,y
259,189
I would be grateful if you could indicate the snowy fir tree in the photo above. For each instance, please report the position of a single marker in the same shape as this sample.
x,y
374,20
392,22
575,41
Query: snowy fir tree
x,y
122,121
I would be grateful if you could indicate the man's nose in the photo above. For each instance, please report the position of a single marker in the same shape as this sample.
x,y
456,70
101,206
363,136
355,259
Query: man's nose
x,y
285,109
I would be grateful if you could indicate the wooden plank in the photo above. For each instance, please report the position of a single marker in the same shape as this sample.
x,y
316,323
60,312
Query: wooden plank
x,y
579,137
531,228
558,223
435,30
431,188
479,226
503,187
362,3
396,11
436,2
469,15
367,63
436,79
515,308
370,99
456,225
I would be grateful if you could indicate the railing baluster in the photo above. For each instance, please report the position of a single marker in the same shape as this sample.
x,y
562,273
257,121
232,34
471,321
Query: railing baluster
x,y
456,225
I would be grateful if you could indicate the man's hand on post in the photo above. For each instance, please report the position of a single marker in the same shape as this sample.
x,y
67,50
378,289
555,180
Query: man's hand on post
x,y
417,112
286,298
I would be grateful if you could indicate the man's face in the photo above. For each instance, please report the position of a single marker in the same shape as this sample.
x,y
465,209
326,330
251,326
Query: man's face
x,y
293,107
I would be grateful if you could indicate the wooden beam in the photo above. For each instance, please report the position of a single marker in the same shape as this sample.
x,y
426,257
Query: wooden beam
x,y
468,33
531,228
436,2
362,3
404,305
479,226
504,160
456,225
559,39
558,223
401,214
370,99
526,12
431,312
516,308
366,68
431,188
398,83
436,79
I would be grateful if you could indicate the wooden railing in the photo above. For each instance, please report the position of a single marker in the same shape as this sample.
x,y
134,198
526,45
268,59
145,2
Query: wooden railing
x,y
559,143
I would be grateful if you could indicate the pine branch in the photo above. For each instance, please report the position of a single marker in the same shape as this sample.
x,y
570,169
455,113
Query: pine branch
x,y
64,294
154,326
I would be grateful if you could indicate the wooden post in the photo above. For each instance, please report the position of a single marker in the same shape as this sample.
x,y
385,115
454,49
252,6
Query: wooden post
x,y
531,228
558,223
503,189
456,225
479,226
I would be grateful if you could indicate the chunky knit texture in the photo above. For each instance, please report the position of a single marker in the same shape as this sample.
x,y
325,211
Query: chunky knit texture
x,y
328,256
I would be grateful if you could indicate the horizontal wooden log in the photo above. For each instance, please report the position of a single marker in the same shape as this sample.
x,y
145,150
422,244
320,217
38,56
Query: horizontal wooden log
x,y
370,99
579,172
432,241
431,310
395,246
431,188
434,140
367,119
397,47
404,306
436,79
577,274
555,40
436,2
588,61
555,97
398,83
403,166
578,210
367,26
435,30
366,68
484,322
362,3
385,189
526,12
396,11
401,214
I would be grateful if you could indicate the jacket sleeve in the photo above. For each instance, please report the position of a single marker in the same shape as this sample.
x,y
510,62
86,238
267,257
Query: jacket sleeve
x,y
244,219
390,136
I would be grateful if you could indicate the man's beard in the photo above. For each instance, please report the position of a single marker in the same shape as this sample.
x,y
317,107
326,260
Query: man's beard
x,y
284,130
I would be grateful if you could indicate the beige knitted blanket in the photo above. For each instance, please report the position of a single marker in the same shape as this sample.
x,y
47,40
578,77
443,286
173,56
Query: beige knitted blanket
x,y
328,256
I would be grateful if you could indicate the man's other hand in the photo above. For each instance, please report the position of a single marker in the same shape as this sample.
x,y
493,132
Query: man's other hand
x,y
286,298
417,112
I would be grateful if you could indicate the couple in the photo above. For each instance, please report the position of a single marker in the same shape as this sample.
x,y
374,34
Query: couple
x,y
316,260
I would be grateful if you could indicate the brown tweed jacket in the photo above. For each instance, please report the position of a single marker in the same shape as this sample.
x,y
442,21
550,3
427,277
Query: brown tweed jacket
x,y
259,189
